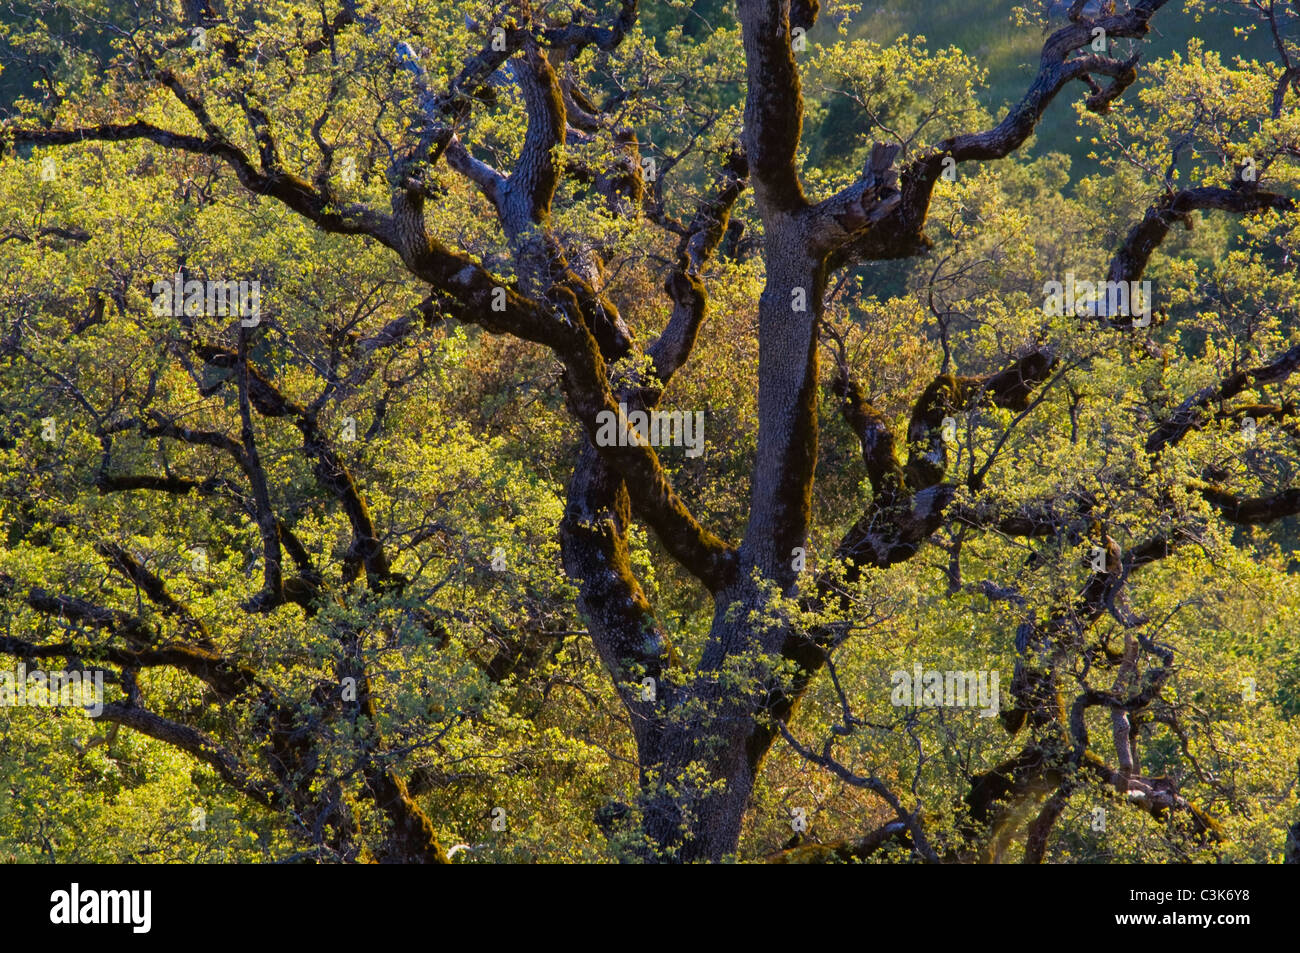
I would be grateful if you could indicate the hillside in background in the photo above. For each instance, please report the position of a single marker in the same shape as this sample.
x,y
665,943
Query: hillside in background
x,y
986,31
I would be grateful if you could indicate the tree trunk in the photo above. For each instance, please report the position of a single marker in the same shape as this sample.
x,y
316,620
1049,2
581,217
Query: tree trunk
x,y
712,757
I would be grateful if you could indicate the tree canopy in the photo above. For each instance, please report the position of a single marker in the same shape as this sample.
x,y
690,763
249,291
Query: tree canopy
x,y
948,509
